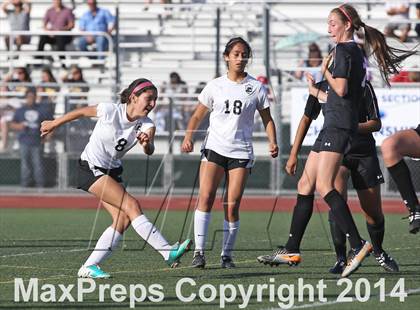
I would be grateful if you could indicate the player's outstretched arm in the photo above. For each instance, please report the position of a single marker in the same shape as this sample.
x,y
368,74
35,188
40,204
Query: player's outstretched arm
x,y
195,120
270,129
49,126
291,165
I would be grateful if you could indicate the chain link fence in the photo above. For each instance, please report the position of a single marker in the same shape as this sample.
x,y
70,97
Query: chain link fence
x,y
168,166
275,31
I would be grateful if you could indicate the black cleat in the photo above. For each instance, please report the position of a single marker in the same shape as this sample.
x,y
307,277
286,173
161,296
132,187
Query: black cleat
x,y
227,262
414,220
387,262
338,267
281,256
199,261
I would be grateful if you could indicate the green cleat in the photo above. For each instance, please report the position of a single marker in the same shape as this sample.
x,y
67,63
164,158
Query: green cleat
x,y
177,251
92,272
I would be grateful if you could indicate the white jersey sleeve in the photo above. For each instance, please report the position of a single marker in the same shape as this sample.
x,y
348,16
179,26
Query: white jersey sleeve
x,y
206,96
106,111
146,124
262,98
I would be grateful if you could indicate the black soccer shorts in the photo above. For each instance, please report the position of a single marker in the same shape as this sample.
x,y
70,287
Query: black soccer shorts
x,y
86,176
365,171
226,163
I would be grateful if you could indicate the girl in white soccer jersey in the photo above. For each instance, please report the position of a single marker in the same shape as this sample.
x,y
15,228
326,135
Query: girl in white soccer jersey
x,y
119,128
232,100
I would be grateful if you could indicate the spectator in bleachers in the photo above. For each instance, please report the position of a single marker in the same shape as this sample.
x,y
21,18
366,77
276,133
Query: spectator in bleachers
x,y
57,18
398,15
78,132
418,17
75,75
27,121
19,18
314,60
96,19
18,75
173,90
47,91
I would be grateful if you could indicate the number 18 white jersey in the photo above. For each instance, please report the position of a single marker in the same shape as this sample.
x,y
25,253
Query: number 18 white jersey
x,y
113,136
232,107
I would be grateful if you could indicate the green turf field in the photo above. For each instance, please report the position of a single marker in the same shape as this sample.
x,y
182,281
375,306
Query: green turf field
x,y
51,245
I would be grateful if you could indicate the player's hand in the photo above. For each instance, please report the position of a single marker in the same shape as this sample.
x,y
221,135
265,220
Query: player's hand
x,y
310,79
143,138
274,150
291,165
187,146
47,127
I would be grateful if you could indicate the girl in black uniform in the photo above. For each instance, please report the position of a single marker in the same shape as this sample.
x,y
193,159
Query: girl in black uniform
x,y
394,148
346,80
362,164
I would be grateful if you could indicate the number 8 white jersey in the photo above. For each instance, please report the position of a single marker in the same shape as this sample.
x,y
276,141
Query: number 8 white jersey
x,y
232,107
113,136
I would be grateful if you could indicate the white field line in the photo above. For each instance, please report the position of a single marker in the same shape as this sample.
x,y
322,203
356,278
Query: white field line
x,y
60,276
166,269
42,253
333,302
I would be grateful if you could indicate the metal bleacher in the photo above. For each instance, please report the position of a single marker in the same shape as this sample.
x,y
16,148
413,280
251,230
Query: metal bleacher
x,y
181,37
154,40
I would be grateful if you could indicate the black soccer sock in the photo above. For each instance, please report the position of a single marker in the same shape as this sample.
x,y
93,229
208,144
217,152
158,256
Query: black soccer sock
x,y
338,237
401,176
342,215
301,215
376,233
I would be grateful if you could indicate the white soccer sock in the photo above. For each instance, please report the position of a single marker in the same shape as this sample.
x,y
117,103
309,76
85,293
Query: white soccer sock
x,y
230,230
104,247
201,226
152,235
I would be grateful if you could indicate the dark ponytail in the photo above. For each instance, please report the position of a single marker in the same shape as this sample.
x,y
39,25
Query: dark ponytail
x,y
126,93
388,58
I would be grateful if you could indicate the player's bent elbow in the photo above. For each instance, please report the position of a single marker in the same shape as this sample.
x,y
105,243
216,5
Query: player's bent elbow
x,y
341,92
378,125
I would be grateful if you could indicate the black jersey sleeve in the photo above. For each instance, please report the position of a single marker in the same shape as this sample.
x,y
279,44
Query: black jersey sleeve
x,y
342,62
371,102
313,106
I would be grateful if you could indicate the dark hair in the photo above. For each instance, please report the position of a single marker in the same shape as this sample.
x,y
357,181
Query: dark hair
x,y
30,90
26,73
232,42
388,58
126,93
78,69
51,77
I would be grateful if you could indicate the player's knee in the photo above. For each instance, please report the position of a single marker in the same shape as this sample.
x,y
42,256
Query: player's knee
x,y
232,207
207,199
131,206
323,187
389,148
304,186
121,223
